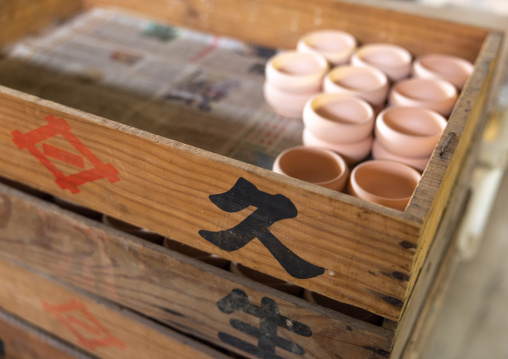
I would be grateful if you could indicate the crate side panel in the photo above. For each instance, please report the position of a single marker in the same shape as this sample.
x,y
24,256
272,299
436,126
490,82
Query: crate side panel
x,y
279,23
322,240
467,120
19,18
19,339
88,322
184,293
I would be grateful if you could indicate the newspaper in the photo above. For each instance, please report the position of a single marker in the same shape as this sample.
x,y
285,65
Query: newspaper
x,y
196,88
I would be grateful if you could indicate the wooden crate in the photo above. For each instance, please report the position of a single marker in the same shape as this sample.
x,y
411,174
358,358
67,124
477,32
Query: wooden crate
x,y
362,254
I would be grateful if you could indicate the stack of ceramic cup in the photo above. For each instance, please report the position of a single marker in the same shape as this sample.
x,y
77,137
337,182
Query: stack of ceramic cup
x,y
341,116
341,123
291,79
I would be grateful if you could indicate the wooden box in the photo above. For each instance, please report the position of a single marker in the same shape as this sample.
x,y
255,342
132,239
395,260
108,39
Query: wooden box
x,y
330,243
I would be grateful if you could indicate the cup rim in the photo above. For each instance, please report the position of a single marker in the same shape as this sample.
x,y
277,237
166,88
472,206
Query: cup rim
x,y
329,98
281,56
406,55
357,188
378,74
448,87
344,168
350,40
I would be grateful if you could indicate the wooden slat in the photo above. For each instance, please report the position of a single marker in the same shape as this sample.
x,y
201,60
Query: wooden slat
x,y
19,18
454,146
20,340
88,322
164,186
164,285
279,23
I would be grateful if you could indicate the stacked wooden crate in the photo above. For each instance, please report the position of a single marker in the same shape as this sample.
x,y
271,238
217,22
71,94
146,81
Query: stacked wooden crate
x,y
116,296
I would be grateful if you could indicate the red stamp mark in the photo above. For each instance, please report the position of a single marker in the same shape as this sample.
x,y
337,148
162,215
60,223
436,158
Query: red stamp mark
x,y
56,127
89,331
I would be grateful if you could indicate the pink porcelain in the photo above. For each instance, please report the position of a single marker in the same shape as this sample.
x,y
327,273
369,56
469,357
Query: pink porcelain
x,y
338,118
285,103
393,60
409,131
315,165
387,183
434,94
381,153
336,46
446,67
296,72
366,83
351,152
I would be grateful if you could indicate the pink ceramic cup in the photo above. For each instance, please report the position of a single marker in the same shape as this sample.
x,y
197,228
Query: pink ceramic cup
x,y
367,83
338,118
409,131
336,46
351,152
296,72
315,165
387,183
434,94
437,66
393,60
285,103
381,153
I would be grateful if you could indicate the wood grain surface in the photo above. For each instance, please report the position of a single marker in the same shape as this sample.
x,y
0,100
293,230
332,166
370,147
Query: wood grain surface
x,y
87,322
19,18
164,186
21,340
163,285
279,23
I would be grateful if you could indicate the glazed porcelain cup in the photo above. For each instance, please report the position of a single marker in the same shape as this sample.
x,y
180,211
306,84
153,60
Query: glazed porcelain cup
x,y
285,103
265,279
434,94
315,165
393,60
352,153
336,46
338,118
381,153
387,183
437,66
366,83
409,131
296,72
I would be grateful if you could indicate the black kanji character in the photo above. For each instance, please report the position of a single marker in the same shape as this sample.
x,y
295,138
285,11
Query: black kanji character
x,y
270,209
270,319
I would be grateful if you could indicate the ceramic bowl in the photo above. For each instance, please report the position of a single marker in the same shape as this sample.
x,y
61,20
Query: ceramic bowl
x,y
296,72
336,46
409,131
338,118
315,165
437,66
351,152
434,94
367,83
393,60
381,153
285,103
387,183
